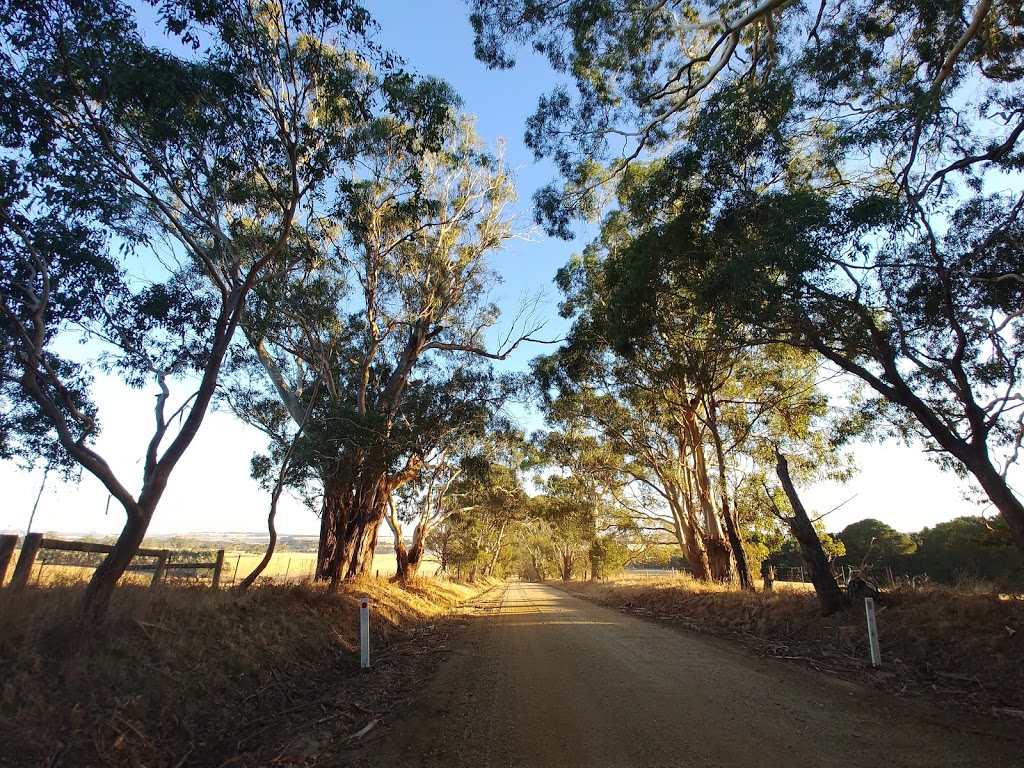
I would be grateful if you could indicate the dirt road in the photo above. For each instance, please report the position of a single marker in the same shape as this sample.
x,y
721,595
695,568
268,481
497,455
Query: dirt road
x,y
541,678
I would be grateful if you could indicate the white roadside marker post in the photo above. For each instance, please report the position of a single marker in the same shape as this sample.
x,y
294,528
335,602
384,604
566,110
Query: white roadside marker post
x,y
364,633
876,655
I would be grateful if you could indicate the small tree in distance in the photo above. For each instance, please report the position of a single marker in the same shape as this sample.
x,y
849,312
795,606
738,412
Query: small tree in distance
x,y
870,541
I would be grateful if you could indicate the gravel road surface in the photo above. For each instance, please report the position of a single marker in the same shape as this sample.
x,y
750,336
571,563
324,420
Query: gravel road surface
x,y
541,678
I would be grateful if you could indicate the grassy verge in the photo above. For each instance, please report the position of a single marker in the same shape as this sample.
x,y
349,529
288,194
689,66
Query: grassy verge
x,y
964,648
186,676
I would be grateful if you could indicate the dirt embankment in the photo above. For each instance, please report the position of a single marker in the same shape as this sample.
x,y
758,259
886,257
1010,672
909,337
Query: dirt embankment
x,y
187,677
962,649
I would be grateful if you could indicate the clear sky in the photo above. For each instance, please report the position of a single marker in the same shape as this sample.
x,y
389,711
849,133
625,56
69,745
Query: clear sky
x,y
211,490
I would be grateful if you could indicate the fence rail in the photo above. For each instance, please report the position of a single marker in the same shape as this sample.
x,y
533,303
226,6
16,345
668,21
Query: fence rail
x,y
35,542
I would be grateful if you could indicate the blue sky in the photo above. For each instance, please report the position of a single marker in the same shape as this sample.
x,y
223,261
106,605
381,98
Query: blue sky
x,y
211,490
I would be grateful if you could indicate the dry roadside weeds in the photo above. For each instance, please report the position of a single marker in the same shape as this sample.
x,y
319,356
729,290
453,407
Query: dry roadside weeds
x,y
961,650
188,677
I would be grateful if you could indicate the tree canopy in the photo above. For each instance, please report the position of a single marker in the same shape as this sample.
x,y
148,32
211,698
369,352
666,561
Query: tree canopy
x,y
217,166
845,187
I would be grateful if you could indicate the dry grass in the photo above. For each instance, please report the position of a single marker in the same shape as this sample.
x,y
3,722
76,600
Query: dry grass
x,y
283,566
962,646
185,676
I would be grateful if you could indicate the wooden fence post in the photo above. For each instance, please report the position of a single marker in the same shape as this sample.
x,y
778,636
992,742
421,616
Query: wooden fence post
x,y
27,559
161,567
8,541
217,568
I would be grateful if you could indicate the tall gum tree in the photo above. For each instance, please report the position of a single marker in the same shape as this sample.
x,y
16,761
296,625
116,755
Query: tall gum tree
x,y
929,320
682,410
896,258
211,161
471,473
394,322
632,421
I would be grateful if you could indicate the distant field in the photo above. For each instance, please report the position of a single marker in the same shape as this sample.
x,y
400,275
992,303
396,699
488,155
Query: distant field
x,y
296,566
285,566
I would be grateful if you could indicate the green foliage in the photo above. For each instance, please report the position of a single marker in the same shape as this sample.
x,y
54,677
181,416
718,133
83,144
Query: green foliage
x,y
873,541
207,163
381,340
974,547
964,548
832,546
789,555
608,556
817,178
757,553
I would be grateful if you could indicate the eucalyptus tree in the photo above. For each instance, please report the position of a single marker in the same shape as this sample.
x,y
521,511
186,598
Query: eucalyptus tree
x,y
425,502
618,432
473,474
210,164
932,86
485,513
850,185
394,322
624,508
657,392
567,517
826,587
927,319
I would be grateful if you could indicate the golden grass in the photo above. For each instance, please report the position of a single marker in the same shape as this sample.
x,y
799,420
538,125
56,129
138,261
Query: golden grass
x,y
939,637
184,671
283,567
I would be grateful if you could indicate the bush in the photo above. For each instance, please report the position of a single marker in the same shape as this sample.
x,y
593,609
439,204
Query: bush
x,y
608,556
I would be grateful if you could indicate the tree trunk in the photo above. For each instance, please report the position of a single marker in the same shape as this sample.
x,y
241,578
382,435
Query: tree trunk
x,y
536,568
408,560
443,554
415,555
362,564
719,558
497,548
696,550
355,504
687,534
731,526
1004,499
331,556
401,557
742,566
826,588
101,587
275,497
719,554
249,580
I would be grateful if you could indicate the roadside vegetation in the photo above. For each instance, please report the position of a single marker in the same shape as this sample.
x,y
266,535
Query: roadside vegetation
x,y
814,240
180,676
